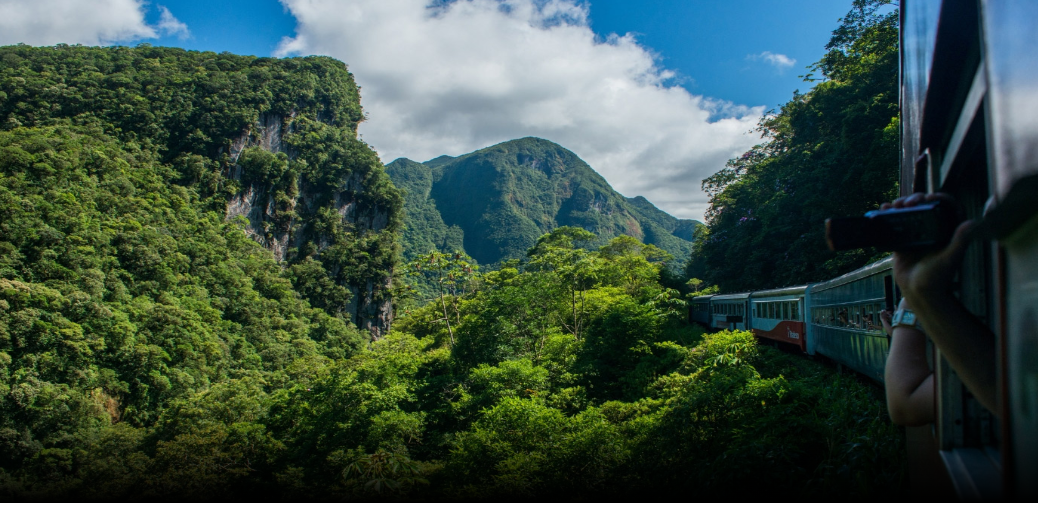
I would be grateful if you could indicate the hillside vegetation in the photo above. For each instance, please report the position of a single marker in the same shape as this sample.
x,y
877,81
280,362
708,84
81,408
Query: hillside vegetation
x,y
127,290
494,203
830,152
188,242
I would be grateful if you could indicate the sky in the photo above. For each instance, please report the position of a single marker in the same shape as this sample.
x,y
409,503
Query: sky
x,y
655,95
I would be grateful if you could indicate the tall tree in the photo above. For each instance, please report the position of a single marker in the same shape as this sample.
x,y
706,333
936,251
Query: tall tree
x,y
830,152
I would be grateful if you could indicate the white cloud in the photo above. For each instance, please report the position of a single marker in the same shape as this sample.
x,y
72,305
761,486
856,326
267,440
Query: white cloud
x,y
171,26
464,75
780,61
95,22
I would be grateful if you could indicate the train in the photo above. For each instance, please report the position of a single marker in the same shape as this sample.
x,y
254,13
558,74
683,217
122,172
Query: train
x,y
969,128
837,319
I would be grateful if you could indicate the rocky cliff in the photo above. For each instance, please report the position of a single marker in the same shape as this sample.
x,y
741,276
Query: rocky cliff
x,y
286,229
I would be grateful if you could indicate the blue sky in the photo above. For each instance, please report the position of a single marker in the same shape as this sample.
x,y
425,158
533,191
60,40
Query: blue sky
x,y
706,41
655,95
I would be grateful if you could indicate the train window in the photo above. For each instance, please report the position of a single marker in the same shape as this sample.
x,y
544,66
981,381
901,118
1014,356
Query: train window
x,y
794,311
785,310
771,310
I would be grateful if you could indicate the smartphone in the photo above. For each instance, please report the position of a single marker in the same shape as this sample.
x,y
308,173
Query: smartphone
x,y
928,226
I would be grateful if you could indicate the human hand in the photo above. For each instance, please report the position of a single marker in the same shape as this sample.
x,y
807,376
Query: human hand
x,y
887,318
920,274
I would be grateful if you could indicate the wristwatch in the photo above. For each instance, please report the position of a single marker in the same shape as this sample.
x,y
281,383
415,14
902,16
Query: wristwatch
x,y
905,317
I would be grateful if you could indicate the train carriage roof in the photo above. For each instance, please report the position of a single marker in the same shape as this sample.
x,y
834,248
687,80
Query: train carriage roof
x,y
702,299
788,291
732,297
869,270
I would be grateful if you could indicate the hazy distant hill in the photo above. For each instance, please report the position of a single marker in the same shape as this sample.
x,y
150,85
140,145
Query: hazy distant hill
x,y
496,202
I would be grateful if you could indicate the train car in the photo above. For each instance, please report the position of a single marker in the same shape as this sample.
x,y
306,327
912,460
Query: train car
x,y
844,318
729,311
699,310
779,315
969,93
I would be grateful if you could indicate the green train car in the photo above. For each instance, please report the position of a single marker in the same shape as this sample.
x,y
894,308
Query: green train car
x,y
969,127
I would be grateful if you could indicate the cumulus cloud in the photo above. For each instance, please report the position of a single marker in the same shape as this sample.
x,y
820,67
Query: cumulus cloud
x,y
171,26
782,62
97,22
452,77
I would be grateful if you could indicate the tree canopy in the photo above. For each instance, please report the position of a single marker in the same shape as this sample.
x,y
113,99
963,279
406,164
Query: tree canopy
x,y
827,153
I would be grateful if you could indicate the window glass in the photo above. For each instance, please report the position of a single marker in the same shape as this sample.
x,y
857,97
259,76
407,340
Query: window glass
x,y
771,310
795,311
785,310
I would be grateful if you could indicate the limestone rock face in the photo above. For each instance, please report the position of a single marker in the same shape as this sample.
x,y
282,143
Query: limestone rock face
x,y
370,307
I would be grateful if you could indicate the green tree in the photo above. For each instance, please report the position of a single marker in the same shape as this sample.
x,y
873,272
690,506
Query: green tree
x,y
830,152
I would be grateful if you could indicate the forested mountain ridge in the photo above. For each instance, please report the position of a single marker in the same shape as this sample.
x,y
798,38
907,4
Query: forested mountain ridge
x,y
494,203
176,229
271,140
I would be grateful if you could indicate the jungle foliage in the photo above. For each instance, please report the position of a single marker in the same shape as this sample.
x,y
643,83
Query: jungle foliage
x,y
573,376
830,152
151,350
186,108
142,334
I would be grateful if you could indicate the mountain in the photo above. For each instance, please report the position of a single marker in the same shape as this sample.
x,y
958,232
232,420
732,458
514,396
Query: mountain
x,y
494,203
269,145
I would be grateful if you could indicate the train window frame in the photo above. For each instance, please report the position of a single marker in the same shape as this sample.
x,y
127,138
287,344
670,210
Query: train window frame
x,y
785,310
794,311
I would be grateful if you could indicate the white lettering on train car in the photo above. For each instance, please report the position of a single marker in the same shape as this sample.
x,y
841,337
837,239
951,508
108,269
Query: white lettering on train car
x,y
792,334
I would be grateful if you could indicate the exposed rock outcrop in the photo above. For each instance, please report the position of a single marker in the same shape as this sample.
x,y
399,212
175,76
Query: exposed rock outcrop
x,y
370,307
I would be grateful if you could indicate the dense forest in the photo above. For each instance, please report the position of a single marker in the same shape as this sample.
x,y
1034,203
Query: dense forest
x,y
189,242
830,152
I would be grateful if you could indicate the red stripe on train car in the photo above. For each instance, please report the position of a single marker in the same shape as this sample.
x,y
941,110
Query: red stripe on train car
x,y
790,332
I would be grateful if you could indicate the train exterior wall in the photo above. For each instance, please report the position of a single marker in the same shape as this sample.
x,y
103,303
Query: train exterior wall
x,y
730,312
844,318
790,332
779,315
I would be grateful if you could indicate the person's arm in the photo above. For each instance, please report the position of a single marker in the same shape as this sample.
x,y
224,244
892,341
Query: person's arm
x,y
967,344
907,377
926,280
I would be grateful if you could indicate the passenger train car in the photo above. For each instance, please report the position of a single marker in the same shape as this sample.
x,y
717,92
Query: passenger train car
x,y
729,312
845,324
969,128
779,315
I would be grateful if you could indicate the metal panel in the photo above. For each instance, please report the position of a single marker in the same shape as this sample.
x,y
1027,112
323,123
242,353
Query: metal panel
x,y
1011,55
918,33
1022,361
863,350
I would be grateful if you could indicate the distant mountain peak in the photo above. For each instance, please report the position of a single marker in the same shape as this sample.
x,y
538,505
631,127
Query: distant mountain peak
x,y
503,197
